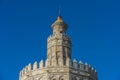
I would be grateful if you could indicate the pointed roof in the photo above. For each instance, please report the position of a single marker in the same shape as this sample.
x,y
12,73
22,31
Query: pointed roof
x,y
59,19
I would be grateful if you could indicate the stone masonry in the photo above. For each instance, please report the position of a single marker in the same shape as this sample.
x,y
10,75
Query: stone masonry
x,y
58,65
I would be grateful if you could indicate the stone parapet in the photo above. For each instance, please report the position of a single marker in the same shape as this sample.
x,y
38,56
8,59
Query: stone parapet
x,y
52,37
31,67
83,68
73,67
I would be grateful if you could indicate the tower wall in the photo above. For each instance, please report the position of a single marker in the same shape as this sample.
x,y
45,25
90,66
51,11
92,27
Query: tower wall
x,y
72,71
59,44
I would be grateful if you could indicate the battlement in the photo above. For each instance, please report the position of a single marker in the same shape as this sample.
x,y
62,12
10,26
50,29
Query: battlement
x,y
58,65
54,36
31,67
84,67
72,65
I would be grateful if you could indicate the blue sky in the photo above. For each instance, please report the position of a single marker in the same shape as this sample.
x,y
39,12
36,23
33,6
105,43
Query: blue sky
x,y
94,26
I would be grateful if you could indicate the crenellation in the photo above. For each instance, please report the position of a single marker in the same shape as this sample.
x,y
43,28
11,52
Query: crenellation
x,y
90,69
81,65
29,67
52,37
41,65
94,72
80,62
35,65
46,63
25,69
75,64
86,67
22,72
78,66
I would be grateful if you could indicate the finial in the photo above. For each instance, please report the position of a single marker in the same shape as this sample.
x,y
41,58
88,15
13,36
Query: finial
x,y
60,9
59,19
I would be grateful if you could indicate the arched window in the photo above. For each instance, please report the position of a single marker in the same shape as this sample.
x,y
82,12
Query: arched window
x,y
52,78
61,78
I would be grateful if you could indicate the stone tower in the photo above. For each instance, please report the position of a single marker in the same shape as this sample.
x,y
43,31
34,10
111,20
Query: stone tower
x,y
59,44
58,65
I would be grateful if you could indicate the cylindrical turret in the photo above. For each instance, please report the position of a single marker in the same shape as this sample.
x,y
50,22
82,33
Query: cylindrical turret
x,y
59,44
59,26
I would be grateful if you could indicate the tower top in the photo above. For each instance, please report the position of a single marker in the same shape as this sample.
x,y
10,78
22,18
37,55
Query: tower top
x,y
60,22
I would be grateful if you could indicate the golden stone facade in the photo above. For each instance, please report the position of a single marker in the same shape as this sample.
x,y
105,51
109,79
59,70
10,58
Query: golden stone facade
x,y
58,65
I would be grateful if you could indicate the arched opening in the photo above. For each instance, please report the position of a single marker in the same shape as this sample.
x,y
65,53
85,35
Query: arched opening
x,y
61,78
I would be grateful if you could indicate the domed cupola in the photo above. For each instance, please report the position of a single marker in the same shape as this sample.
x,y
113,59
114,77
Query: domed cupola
x,y
59,26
